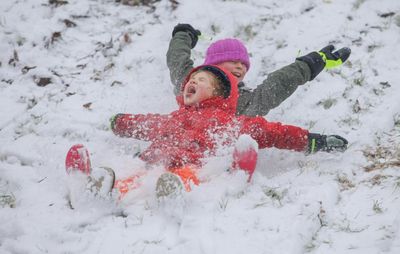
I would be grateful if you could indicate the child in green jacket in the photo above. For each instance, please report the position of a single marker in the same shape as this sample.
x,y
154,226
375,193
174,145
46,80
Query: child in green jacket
x,y
232,55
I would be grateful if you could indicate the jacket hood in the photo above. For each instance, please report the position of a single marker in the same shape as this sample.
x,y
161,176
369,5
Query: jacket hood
x,y
228,103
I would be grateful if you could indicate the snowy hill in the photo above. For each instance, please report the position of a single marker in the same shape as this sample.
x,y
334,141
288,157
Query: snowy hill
x,y
67,66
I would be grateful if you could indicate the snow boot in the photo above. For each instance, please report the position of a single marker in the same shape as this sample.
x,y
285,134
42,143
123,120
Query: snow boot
x,y
245,155
169,185
78,159
101,181
177,179
83,189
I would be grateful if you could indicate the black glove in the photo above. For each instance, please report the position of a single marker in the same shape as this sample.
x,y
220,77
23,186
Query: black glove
x,y
326,143
325,58
193,33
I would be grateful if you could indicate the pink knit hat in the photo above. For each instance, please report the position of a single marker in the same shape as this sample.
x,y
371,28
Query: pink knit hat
x,y
227,50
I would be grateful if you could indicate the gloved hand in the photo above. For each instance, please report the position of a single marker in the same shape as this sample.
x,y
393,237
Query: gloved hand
x,y
333,59
113,119
193,33
326,143
325,58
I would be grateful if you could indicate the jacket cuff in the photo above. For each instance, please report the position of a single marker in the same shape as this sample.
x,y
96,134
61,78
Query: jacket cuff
x,y
114,123
314,61
316,142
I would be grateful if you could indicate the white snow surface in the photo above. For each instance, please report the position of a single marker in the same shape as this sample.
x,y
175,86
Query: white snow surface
x,y
112,59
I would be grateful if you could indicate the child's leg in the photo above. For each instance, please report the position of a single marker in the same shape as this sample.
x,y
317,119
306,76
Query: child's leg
x,y
100,179
245,155
127,184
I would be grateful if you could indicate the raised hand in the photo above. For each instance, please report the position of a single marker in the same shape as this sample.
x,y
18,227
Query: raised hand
x,y
193,33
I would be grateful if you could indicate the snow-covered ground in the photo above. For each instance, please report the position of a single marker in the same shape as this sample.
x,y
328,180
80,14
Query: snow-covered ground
x,y
67,66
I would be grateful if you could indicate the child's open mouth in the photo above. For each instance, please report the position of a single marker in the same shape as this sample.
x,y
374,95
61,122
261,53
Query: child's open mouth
x,y
191,90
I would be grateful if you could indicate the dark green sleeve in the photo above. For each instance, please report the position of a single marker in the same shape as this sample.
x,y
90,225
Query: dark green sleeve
x,y
278,86
178,59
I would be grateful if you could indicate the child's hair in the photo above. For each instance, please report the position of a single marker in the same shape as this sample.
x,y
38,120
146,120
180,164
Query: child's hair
x,y
218,86
215,82
220,81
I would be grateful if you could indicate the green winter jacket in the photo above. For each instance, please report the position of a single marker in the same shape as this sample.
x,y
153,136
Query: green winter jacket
x,y
278,86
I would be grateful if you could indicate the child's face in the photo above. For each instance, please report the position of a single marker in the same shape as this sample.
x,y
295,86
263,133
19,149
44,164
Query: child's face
x,y
238,69
199,88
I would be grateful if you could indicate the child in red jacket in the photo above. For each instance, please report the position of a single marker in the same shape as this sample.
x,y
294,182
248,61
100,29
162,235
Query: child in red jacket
x,y
204,122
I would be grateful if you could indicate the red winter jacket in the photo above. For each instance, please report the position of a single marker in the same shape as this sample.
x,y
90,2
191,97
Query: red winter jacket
x,y
190,133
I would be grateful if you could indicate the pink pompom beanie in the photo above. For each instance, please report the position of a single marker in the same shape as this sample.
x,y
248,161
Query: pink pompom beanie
x,y
227,50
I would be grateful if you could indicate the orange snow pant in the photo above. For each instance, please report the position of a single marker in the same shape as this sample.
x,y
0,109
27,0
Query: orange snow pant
x,y
187,175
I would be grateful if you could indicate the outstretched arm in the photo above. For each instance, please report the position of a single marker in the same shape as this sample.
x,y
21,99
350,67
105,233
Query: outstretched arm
x,y
274,134
143,127
282,83
278,86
